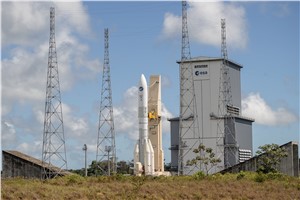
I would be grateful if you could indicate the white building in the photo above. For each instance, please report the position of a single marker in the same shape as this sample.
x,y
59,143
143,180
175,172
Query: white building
x,y
206,76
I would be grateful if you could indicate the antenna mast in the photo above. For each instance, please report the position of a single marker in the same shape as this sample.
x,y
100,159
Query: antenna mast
x,y
226,140
188,136
54,150
106,149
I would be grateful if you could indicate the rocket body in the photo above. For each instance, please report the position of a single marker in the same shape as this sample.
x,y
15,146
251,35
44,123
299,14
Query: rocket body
x,y
143,151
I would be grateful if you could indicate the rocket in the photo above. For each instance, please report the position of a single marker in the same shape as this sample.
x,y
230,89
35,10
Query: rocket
x,y
143,151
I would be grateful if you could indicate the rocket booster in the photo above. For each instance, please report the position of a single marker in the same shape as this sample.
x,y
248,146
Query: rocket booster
x,y
143,151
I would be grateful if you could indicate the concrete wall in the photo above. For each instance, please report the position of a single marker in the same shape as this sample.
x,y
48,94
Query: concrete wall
x,y
14,166
289,165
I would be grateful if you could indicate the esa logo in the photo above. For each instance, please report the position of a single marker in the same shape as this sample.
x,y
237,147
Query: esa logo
x,y
197,73
141,88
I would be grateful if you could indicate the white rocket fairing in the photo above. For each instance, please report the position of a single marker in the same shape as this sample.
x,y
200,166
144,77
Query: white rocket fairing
x,y
143,151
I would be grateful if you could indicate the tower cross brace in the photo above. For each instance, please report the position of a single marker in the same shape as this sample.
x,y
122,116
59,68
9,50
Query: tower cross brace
x,y
54,150
188,120
227,148
106,149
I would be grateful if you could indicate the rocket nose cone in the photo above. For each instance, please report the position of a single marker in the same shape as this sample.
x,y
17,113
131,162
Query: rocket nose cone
x,y
143,81
143,78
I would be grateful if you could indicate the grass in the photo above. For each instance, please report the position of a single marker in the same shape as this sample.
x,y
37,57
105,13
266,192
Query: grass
x,y
229,186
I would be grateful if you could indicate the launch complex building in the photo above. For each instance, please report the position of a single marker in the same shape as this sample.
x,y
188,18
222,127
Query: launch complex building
x,y
206,77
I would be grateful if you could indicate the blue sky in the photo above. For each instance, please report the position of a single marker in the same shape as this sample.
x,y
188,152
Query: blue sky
x,y
145,37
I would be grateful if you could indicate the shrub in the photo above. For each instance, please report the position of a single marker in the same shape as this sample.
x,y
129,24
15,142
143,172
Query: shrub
x,y
199,175
74,179
241,175
120,177
260,177
275,175
217,176
102,179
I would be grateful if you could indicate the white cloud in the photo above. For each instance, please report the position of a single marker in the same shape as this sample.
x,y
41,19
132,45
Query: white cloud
x,y
75,127
125,115
27,23
165,115
25,32
25,43
32,148
22,74
8,133
172,25
204,23
75,14
256,107
166,82
278,9
23,21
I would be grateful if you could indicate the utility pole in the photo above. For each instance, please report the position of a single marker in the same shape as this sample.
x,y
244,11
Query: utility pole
x,y
54,150
85,163
106,131
188,119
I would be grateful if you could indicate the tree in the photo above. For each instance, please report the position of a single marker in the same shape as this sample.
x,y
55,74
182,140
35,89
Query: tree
x,y
205,156
270,156
124,167
77,171
167,166
95,168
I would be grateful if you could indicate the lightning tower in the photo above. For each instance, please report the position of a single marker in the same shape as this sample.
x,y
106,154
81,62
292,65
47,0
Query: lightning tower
x,y
188,135
54,150
227,148
106,149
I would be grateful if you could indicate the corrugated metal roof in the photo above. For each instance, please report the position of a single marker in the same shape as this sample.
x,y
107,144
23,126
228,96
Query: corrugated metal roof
x,y
36,161
25,157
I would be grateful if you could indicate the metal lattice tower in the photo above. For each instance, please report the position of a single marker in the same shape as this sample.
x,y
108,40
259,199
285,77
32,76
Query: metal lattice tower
x,y
226,141
188,135
106,149
54,150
